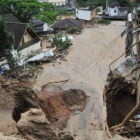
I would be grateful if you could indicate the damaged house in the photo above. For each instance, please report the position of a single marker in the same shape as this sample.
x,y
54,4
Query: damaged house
x,y
27,43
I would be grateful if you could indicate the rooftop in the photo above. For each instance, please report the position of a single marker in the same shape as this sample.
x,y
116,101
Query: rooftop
x,y
68,23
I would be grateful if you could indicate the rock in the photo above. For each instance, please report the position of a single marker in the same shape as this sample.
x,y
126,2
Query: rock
x,y
66,136
33,125
3,137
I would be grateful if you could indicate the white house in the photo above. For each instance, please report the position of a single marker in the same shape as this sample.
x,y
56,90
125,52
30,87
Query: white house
x,y
55,2
115,9
86,13
27,42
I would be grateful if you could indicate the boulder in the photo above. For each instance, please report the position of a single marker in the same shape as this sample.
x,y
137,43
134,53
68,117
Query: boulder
x,y
33,125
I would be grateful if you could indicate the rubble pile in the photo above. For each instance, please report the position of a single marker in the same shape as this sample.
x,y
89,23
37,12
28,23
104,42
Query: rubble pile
x,y
33,125
121,100
118,93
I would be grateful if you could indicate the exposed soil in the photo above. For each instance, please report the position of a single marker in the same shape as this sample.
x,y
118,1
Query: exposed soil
x,y
60,105
57,106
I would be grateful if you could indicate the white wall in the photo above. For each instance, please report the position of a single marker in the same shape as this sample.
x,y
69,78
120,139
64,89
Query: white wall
x,y
82,14
30,50
55,2
113,11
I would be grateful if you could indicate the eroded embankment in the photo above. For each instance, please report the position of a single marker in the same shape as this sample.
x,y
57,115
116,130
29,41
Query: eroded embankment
x,y
57,106
120,96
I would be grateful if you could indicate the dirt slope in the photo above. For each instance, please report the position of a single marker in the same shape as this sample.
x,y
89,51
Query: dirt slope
x,y
87,69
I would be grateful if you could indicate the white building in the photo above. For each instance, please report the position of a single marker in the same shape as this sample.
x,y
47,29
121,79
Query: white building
x,y
86,13
27,43
114,9
55,2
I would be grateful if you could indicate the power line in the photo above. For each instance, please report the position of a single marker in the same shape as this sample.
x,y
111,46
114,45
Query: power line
x,y
95,60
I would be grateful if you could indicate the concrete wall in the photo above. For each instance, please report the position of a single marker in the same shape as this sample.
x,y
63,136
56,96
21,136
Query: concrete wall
x,y
30,50
55,2
93,14
83,14
72,3
113,11
123,12
27,37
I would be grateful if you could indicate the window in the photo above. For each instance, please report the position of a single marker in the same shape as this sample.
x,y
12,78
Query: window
x,y
115,11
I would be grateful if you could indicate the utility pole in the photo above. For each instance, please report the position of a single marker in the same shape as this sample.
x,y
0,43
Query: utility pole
x,y
106,4
138,54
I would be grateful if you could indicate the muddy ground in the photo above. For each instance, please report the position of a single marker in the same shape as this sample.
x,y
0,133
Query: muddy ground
x,y
86,68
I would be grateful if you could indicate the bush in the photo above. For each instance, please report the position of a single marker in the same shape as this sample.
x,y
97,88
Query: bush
x,y
65,13
59,43
98,10
103,21
74,30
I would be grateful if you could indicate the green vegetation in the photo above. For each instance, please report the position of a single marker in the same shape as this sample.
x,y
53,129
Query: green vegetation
x,y
7,45
59,43
131,5
98,10
65,13
85,3
74,30
24,10
103,21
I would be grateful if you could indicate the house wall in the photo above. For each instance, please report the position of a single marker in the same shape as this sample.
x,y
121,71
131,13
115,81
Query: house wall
x,y
27,37
113,11
72,3
30,50
93,14
123,12
82,14
55,2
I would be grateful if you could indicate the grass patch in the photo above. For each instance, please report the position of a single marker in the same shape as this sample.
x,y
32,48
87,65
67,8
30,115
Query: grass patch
x,y
65,13
103,21
74,30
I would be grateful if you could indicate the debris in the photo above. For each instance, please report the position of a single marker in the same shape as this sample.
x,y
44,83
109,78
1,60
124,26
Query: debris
x,y
55,82
108,131
34,125
128,117
120,98
48,53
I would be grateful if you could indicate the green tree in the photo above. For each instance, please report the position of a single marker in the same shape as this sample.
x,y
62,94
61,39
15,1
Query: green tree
x,y
24,10
85,3
59,43
6,45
